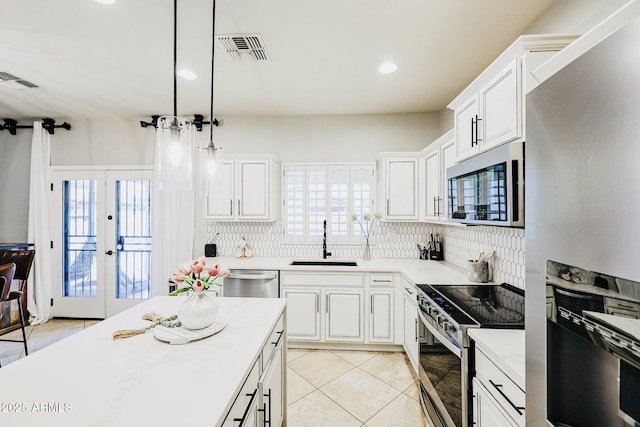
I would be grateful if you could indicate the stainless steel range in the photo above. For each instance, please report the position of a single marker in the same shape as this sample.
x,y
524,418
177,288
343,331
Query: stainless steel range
x,y
446,313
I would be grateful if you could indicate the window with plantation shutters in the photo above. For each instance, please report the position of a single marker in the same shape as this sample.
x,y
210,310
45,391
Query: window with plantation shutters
x,y
315,192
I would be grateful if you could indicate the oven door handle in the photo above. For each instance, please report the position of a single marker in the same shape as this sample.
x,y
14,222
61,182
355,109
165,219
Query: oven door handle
x,y
444,340
431,408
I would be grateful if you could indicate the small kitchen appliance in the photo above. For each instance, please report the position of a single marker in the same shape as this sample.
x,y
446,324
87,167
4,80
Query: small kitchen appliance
x,y
488,188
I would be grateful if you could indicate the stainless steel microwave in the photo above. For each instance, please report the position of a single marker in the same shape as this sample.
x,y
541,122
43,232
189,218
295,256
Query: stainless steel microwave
x,y
488,188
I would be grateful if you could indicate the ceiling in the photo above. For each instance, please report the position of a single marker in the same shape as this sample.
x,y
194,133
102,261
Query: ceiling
x,y
93,61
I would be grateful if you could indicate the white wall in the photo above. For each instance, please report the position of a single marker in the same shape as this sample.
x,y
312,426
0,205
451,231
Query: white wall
x,y
103,142
293,138
327,138
15,158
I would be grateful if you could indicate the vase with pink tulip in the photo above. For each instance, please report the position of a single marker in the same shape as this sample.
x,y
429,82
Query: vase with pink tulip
x,y
200,309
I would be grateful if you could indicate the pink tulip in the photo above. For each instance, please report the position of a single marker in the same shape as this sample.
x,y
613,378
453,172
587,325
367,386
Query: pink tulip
x,y
198,285
197,267
224,272
213,271
185,269
177,278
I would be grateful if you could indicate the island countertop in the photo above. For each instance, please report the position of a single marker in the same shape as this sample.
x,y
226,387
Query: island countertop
x,y
88,379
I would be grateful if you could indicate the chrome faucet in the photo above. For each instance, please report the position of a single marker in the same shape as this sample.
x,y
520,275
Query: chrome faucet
x,y
325,254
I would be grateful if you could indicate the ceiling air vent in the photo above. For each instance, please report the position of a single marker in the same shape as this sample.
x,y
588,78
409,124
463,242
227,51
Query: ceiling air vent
x,y
244,47
9,80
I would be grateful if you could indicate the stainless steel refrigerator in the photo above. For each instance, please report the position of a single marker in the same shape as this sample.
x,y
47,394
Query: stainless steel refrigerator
x,y
582,185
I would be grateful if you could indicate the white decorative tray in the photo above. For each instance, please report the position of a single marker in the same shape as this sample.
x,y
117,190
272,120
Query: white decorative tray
x,y
183,336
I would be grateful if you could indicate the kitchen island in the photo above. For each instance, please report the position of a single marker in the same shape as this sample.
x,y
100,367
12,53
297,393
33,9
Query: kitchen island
x,y
88,379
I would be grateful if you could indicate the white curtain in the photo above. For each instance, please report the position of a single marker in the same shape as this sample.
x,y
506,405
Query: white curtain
x,y
173,220
39,285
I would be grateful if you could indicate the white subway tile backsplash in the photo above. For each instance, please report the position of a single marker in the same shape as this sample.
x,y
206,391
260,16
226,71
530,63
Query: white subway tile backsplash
x,y
392,240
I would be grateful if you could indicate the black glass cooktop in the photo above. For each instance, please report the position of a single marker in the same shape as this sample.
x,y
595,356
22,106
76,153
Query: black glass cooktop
x,y
491,306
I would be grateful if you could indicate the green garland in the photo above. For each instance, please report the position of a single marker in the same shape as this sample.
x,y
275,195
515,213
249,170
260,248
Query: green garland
x,y
155,318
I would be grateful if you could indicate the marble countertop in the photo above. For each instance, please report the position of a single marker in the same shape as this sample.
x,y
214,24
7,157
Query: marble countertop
x,y
88,379
415,270
506,348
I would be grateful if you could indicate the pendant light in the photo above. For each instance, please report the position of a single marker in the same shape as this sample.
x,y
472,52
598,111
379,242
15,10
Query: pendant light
x,y
211,155
175,139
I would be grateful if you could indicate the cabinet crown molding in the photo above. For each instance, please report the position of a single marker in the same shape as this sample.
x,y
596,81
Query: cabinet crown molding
x,y
522,45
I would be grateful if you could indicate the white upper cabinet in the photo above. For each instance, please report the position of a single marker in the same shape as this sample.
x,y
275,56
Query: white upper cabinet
x,y
221,193
447,159
493,116
466,124
491,110
399,175
244,190
434,160
501,107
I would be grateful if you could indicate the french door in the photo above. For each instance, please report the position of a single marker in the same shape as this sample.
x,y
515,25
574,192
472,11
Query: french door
x,y
101,241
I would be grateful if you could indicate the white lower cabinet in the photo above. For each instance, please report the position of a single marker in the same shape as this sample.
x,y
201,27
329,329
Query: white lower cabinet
x,y
486,411
381,315
261,398
271,388
410,308
303,313
344,315
243,411
498,400
340,308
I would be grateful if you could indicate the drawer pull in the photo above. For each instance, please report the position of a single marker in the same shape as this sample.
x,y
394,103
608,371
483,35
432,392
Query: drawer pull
x,y
247,409
278,340
498,387
408,290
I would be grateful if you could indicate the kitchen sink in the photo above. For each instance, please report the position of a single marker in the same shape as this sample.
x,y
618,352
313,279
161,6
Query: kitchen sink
x,y
326,262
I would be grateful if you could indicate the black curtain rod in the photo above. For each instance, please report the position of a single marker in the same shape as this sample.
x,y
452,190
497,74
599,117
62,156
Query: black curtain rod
x,y
47,124
198,121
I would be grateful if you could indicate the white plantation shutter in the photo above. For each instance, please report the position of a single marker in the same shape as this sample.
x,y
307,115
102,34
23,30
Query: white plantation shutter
x,y
314,193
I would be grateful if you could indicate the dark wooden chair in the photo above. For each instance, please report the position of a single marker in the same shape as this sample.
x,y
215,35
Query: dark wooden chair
x,y
14,289
7,272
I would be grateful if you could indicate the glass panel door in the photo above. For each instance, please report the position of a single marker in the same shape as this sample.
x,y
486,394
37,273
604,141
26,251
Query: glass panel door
x,y
79,250
129,242
102,247
78,244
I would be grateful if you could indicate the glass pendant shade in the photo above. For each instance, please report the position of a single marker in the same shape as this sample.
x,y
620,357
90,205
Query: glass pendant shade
x,y
174,145
210,165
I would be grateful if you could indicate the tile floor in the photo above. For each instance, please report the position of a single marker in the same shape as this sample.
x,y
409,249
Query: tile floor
x,y
324,388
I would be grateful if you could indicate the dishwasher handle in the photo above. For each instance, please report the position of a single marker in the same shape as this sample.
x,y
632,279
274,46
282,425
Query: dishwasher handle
x,y
267,275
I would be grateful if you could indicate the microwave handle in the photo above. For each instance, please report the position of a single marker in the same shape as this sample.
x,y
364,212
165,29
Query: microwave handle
x,y
515,195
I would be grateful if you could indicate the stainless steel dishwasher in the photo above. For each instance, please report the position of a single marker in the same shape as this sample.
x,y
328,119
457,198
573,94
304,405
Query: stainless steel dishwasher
x,y
252,283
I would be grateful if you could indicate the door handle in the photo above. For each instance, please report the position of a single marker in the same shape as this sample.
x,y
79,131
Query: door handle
x,y
109,252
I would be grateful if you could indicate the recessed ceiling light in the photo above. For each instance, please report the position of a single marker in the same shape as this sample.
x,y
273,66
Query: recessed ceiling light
x,y
387,67
106,1
187,74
